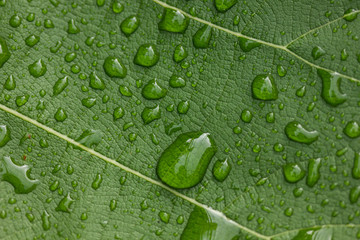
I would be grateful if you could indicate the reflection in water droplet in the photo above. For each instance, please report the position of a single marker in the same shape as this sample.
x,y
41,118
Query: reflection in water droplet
x,y
89,138
153,90
5,135
129,25
173,21
202,37
114,68
264,88
330,91
38,68
221,169
293,172
352,129
147,55
183,164
17,176
150,114
313,172
317,52
296,132
180,53
247,45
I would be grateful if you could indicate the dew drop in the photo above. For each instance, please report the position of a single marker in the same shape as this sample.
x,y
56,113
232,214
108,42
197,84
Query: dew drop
x,y
10,83
22,100
296,132
72,28
180,53
90,138
281,71
4,52
65,204
176,81
147,55
17,176
130,25
352,129
354,194
5,135
60,85
293,172
300,92
117,7
144,205
96,82
173,21
153,90
32,40
97,181
183,107
164,216
88,102
247,45
45,218
150,114
15,21
246,116
313,172
351,14
113,204
38,68
224,5
184,163
264,88
125,91
118,113
298,192
356,166
60,115
202,37
330,91
221,169
317,52
114,68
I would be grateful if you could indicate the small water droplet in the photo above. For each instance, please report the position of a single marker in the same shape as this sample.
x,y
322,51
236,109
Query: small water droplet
x,y
300,92
65,204
224,5
183,107
281,71
298,192
5,135
88,102
150,114
118,113
90,138
180,53
114,68
38,68
32,40
313,172
247,45
147,55
130,25
60,85
296,132
264,88
125,91
246,116
10,83
96,82
173,21
293,172
72,28
60,115
176,81
221,169
144,205
202,37
113,204
97,181
22,100
317,52
354,194
153,90
117,7
352,129
164,216
45,218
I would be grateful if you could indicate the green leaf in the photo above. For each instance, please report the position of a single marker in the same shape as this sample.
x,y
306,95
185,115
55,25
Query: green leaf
x,y
94,93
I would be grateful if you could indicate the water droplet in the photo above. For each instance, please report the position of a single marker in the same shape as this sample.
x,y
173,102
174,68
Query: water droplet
x,y
293,172
70,56
180,53
90,138
65,204
114,68
30,217
54,186
183,107
153,90
176,81
97,181
354,194
48,23
144,205
60,115
331,92
317,52
117,7
278,147
118,113
298,192
96,82
32,40
213,226
264,88
352,129
130,25
147,55
270,117
60,85
344,55
247,45
88,102
221,169
202,37
150,114
300,92
4,52
100,3
22,100
38,68
17,176
10,83
45,218
125,91
289,211
164,216
316,233
224,5
72,28
356,166
43,143
173,21
113,204
246,116
15,21
296,132
56,48
183,164
5,135
180,219
281,71
351,14
313,172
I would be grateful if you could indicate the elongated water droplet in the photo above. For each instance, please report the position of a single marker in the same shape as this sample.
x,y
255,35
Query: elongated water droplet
x,y
54,186
356,166
118,113
352,129
296,132
4,52
317,52
180,53
176,81
153,90
247,45
32,40
354,194
97,181
45,218
264,88
38,68
172,128
183,107
96,82
293,172
183,164
5,135
60,115
147,55
173,21
224,5
65,204
72,28
209,225
150,114
114,68
130,25
202,37
313,172
90,138
221,169
17,176
330,91
60,85
113,204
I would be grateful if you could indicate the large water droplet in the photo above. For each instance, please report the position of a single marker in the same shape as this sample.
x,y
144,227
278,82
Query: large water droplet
x,y
153,90
296,132
150,114
17,176
45,218
209,225
183,164
330,91
317,52
32,40
180,53
4,52
22,100
60,115
202,37
247,45
176,81
313,172
314,234
96,82
90,138
352,129
72,28
5,135
118,113
65,204
173,21
114,68
354,194
147,55
38,68
60,85
264,88
293,172
221,169
88,102
183,107
129,25
351,14
356,166
15,21
224,5
164,216
10,83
